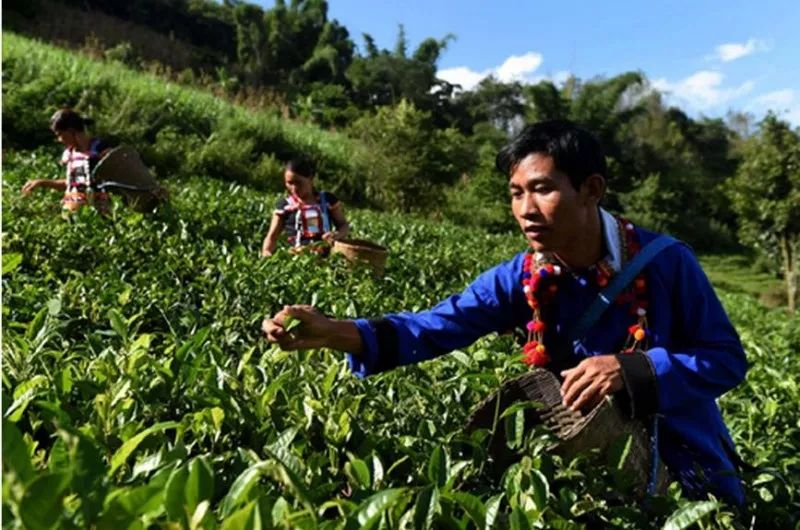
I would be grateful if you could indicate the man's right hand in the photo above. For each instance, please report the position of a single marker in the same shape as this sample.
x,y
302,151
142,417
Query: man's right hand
x,y
314,331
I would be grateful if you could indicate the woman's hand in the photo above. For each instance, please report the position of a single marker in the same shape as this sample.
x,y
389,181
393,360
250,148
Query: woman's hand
x,y
44,183
330,237
30,186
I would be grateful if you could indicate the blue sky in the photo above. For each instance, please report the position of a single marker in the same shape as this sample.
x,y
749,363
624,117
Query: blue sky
x,y
709,56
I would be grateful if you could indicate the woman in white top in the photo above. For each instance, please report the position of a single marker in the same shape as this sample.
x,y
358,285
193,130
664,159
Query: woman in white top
x,y
81,154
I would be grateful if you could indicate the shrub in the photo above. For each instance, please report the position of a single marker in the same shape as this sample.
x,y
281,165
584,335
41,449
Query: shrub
x,y
408,160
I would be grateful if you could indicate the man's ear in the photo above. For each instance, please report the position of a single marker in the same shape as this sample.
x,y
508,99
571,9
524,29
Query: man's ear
x,y
594,187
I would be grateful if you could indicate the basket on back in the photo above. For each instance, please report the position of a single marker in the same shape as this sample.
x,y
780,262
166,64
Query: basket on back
x,y
575,432
364,252
121,170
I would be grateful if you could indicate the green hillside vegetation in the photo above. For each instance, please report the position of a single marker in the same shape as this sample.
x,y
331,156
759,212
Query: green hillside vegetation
x,y
397,153
99,33
295,58
393,159
737,273
137,390
179,131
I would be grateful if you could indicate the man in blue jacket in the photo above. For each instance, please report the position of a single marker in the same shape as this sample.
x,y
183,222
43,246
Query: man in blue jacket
x,y
664,346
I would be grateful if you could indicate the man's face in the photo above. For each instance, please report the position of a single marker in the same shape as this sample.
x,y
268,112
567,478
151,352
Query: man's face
x,y
549,210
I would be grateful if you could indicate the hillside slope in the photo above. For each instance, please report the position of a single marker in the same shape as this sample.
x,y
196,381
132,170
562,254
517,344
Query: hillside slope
x,y
179,131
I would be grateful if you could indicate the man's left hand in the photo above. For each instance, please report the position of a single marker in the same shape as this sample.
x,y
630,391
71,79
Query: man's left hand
x,y
588,383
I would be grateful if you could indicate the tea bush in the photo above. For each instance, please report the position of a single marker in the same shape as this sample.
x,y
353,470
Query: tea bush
x,y
138,391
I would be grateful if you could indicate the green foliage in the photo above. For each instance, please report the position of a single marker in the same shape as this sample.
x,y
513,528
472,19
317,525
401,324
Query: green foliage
x,y
649,204
482,197
410,161
178,131
765,193
293,57
385,78
742,273
399,160
684,164
287,46
139,392
326,105
666,170
546,102
499,104
122,52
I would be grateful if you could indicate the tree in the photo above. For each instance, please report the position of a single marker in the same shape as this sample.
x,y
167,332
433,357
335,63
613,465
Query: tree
x,y
384,77
410,161
291,46
331,56
546,102
677,169
498,103
765,193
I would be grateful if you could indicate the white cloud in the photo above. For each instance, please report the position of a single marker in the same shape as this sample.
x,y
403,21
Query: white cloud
x,y
778,98
735,50
785,103
515,68
519,67
702,90
461,75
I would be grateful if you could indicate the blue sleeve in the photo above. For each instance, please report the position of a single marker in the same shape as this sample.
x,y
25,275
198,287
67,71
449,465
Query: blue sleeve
x,y
485,306
705,358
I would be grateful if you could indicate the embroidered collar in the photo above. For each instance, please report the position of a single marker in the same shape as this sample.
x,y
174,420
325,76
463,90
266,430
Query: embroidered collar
x,y
540,282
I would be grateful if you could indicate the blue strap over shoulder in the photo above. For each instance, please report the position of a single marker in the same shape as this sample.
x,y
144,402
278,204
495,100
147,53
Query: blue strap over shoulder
x,y
323,204
616,286
96,146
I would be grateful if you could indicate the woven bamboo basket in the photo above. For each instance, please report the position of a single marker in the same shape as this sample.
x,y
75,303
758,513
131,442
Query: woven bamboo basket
x,y
575,432
121,170
363,252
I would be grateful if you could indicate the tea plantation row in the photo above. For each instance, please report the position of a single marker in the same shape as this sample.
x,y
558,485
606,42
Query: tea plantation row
x,y
138,392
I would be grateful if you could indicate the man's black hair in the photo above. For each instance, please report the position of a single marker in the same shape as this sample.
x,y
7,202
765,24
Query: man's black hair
x,y
302,166
575,151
